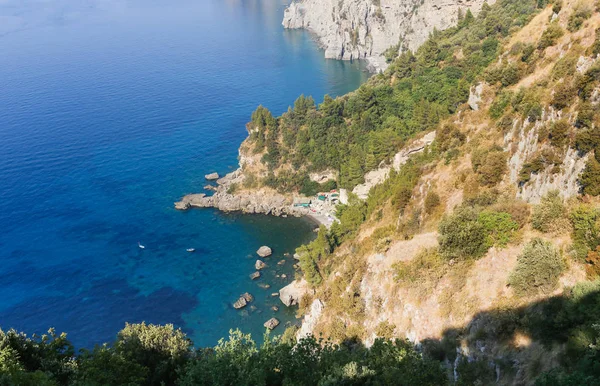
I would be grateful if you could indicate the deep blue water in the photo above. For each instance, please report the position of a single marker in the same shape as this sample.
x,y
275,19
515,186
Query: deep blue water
x,y
110,110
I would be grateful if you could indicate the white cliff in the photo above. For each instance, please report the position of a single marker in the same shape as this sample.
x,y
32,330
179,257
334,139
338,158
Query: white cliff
x,y
365,29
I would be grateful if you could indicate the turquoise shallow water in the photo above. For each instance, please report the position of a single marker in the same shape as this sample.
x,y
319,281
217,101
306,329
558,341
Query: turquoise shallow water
x,y
110,110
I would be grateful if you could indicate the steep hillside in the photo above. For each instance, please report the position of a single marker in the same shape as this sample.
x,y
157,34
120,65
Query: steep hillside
x,y
481,247
366,29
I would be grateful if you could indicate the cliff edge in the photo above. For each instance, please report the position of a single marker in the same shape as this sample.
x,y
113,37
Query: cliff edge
x,y
365,29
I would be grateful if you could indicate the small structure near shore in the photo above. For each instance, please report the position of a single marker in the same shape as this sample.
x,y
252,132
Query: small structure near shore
x,y
264,251
303,202
212,176
271,323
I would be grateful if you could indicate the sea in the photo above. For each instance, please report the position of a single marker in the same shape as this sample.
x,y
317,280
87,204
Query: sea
x,y
110,111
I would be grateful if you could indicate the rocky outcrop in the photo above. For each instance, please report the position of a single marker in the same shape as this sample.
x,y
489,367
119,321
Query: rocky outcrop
x,y
255,275
212,176
292,293
523,141
377,176
271,323
264,251
310,319
243,301
259,265
475,97
365,29
230,197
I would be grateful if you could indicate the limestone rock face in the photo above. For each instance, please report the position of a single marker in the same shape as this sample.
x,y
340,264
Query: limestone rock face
x,y
293,292
264,251
475,96
361,29
271,323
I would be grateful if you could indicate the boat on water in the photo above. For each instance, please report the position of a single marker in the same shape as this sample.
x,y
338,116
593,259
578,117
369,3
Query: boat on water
x,y
141,246
191,250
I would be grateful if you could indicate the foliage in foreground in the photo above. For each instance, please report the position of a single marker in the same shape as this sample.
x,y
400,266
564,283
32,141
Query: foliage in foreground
x,y
146,354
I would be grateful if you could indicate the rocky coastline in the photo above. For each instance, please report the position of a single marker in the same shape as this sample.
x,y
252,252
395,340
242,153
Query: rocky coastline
x,y
365,29
228,196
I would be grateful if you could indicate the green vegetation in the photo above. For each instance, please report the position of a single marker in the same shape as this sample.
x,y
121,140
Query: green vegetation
x,y
580,14
538,269
355,133
470,231
311,254
551,214
550,36
160,355
585,221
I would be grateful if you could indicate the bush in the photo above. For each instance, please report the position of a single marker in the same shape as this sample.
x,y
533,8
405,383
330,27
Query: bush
x,y
432,201
550,36
448,137
550,215
590,178
500,227
538,269
580,14
461,235
518,210
559,133
490,166
586,229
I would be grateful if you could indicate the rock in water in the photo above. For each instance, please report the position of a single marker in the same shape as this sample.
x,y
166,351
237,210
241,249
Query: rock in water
x,y
240,303
255,275
212,176
248,297
275,308
259,265
271,323
264,251
293,292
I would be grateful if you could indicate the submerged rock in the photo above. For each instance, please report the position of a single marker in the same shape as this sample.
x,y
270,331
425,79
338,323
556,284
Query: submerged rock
x,y
255,275
240,303
264,251
271,323
243,301
212,176
264,285
248,296
275,308
281,262
259,265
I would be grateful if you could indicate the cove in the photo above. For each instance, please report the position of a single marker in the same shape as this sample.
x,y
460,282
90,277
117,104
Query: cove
x,y
111,110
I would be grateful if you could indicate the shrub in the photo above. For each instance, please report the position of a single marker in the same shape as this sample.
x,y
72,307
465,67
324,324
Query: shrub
x,y
385,330
532,167
500,227
510,75
563,95
500,103
550,215
432,201
518,210
538,269
559,133
586,229
448,137
490,166
580,14
590,178
461,235
550,36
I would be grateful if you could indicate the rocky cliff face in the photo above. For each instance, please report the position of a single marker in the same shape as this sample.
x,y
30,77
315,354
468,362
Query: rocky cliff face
x,y
365,29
